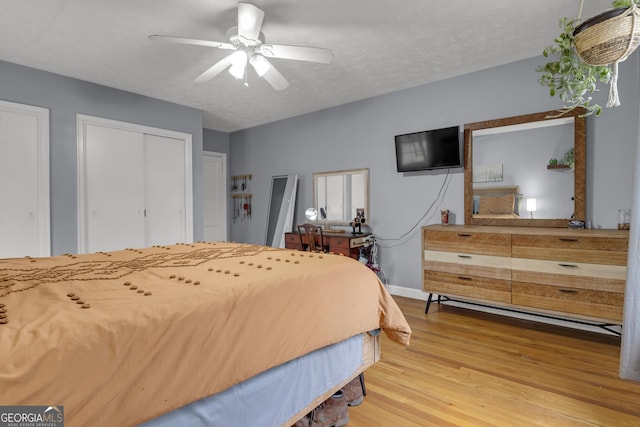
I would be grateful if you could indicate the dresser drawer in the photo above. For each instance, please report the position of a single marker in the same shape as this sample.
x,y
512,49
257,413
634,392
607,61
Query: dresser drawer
x,y
577,248
292,241
585,302
609,278
468,264
338,244
462,285
468,242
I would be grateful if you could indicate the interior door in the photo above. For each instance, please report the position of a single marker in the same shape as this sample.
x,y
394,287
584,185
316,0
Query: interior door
x,y
114,189
214,190
24,181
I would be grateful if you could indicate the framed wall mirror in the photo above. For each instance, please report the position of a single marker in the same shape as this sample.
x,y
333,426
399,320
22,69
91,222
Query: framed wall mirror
x,y
525,170
338,195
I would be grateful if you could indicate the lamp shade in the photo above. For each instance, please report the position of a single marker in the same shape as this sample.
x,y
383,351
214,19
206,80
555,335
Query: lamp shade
x,y
531,205
311,214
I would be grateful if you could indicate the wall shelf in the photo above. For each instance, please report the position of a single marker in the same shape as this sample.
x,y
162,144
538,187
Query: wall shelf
x,y
560,167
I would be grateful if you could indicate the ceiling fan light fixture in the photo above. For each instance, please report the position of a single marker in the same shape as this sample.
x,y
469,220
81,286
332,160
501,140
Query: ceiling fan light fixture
x,y
248,41
237,71
260,64
238,63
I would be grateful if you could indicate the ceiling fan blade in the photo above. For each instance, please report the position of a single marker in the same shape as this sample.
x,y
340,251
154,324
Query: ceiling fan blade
x,y
275,79
183,40
249,21
216,69
298,53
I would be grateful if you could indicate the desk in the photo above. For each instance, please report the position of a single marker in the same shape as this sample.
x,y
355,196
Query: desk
x,y
338,243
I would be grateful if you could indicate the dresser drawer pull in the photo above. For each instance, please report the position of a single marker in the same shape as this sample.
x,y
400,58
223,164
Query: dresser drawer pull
x,y
568,291
464,256
464,234
568,265
568,239
464,278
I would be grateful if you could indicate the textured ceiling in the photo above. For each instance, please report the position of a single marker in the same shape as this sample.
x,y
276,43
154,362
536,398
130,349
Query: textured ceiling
x,y
379,47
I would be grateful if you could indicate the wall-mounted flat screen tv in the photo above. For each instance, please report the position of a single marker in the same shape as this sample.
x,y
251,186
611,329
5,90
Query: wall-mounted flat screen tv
x,y
430,149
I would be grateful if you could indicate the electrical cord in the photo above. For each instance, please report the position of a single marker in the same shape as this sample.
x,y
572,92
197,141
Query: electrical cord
x,y
372,261
441,193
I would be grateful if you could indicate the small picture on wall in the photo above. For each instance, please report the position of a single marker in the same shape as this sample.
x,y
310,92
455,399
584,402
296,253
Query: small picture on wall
x,y
487,173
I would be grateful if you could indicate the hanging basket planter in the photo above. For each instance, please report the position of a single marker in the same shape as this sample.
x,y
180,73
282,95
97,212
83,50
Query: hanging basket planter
x,y
609,37
590,53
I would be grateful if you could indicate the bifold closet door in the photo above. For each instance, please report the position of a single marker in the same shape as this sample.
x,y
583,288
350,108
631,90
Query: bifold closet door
x,y
135,189
115,193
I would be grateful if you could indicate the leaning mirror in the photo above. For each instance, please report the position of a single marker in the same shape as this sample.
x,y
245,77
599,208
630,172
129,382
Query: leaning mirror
x,y
338,195
525,170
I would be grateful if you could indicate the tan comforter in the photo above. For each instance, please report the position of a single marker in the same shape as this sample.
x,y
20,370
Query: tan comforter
x,y
155,329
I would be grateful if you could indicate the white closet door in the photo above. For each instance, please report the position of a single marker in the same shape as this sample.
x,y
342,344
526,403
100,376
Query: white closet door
x,y
214,200
24,181
164,190
134,185
114,189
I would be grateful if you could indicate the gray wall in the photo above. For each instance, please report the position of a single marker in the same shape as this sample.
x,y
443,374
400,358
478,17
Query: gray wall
x,y
361,135
213,140
66,97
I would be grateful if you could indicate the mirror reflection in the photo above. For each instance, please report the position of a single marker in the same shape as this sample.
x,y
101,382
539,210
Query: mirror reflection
x,y
511,178
338,195
525,170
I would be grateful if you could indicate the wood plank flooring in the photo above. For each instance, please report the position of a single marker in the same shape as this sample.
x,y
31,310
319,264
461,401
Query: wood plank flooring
x,y
466,368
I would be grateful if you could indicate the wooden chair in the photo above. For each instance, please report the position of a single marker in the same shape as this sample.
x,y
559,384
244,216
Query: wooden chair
x,y
314,237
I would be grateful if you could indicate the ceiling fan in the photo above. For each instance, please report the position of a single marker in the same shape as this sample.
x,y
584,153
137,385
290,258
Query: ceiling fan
x,y
248,44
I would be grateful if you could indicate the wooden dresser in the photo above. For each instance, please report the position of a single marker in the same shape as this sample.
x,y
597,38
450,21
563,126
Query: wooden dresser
x,y
573,273
339,243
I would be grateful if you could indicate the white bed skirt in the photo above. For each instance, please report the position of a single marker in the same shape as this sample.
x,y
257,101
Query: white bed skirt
x,y
272,398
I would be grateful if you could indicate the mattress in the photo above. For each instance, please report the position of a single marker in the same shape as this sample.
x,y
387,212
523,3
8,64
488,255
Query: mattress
x,y
119,338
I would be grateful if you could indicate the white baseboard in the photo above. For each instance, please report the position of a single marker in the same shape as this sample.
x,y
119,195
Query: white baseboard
x,y
418,294
407,292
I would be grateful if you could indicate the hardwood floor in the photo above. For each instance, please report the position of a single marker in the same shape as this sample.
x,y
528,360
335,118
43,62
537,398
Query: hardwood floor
x,y
466,368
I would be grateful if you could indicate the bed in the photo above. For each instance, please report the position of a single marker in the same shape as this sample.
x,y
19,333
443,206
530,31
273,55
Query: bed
x,y
143,335
496,202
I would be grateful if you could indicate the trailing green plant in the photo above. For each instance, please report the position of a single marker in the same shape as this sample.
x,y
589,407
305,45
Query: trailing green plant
x,y
568,76
570,158
624,3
